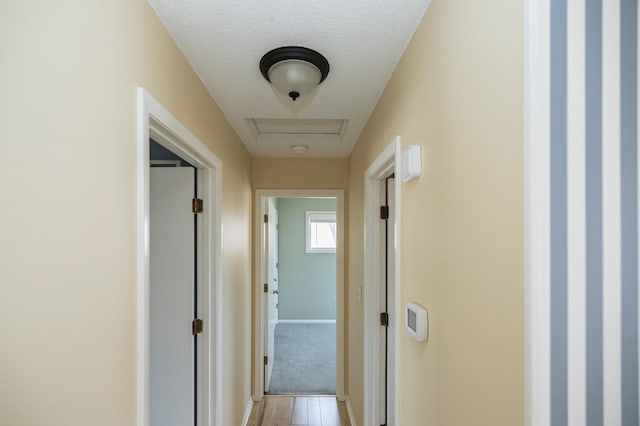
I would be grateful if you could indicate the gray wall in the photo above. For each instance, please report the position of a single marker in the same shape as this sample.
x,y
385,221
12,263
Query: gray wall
x,y
307,281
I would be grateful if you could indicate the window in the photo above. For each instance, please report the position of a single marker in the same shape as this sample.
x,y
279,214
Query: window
x,y
321,232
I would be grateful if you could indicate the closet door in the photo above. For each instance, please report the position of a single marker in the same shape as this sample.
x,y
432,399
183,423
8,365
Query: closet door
x,y
172,270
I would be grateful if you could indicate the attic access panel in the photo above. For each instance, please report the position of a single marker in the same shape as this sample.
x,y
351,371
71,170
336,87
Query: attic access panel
x,y
285,131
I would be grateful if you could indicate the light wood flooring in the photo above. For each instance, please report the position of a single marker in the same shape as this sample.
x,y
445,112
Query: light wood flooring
x,y
284,410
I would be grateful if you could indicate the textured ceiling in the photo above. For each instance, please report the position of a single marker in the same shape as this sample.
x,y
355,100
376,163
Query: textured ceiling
x,y
225,39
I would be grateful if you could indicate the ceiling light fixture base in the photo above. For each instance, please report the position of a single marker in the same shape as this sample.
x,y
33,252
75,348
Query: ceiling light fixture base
x,y
299,149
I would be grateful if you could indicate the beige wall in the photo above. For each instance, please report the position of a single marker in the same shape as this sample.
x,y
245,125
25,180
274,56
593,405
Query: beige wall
x,y
299,173
68,188
457,92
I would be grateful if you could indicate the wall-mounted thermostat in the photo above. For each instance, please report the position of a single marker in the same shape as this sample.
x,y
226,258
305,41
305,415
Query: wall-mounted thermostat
x,y
415,321
411,163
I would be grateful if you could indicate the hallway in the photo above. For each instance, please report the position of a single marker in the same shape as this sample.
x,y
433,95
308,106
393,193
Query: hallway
x,y
86,84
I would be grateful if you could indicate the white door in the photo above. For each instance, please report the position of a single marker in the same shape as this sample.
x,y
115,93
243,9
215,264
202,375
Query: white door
x,y
274,264
272,293
172,271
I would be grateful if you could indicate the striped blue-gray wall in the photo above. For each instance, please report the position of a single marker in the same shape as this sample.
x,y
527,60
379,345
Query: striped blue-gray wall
x,y
593,212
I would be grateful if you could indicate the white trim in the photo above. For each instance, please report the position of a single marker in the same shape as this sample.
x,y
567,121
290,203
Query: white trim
x,y
165,163
261,195
388,160
611,212
154,120
537,220
576,134
352,419
247,412
638,177
303,321
142,239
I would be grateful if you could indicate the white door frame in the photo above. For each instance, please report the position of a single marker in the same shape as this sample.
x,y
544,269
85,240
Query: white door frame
x,y
154,121
388,160
261,197
536,212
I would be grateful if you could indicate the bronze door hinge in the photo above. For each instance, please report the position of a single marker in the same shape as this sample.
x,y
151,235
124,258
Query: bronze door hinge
x,y
196,326
384,319
197,205
384,212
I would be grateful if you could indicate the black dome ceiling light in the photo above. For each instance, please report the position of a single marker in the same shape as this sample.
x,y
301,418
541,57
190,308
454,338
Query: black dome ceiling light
x,y
293,70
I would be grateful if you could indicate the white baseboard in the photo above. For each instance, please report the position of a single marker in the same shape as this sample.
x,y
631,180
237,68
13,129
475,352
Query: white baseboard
x,y
247,412
352,420
306,321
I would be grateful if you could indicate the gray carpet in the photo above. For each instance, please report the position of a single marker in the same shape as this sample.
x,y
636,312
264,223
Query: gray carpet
x,y
305,360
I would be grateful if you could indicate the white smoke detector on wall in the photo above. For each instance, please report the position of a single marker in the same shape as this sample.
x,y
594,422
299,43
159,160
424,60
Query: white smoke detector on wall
x,y
411,163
